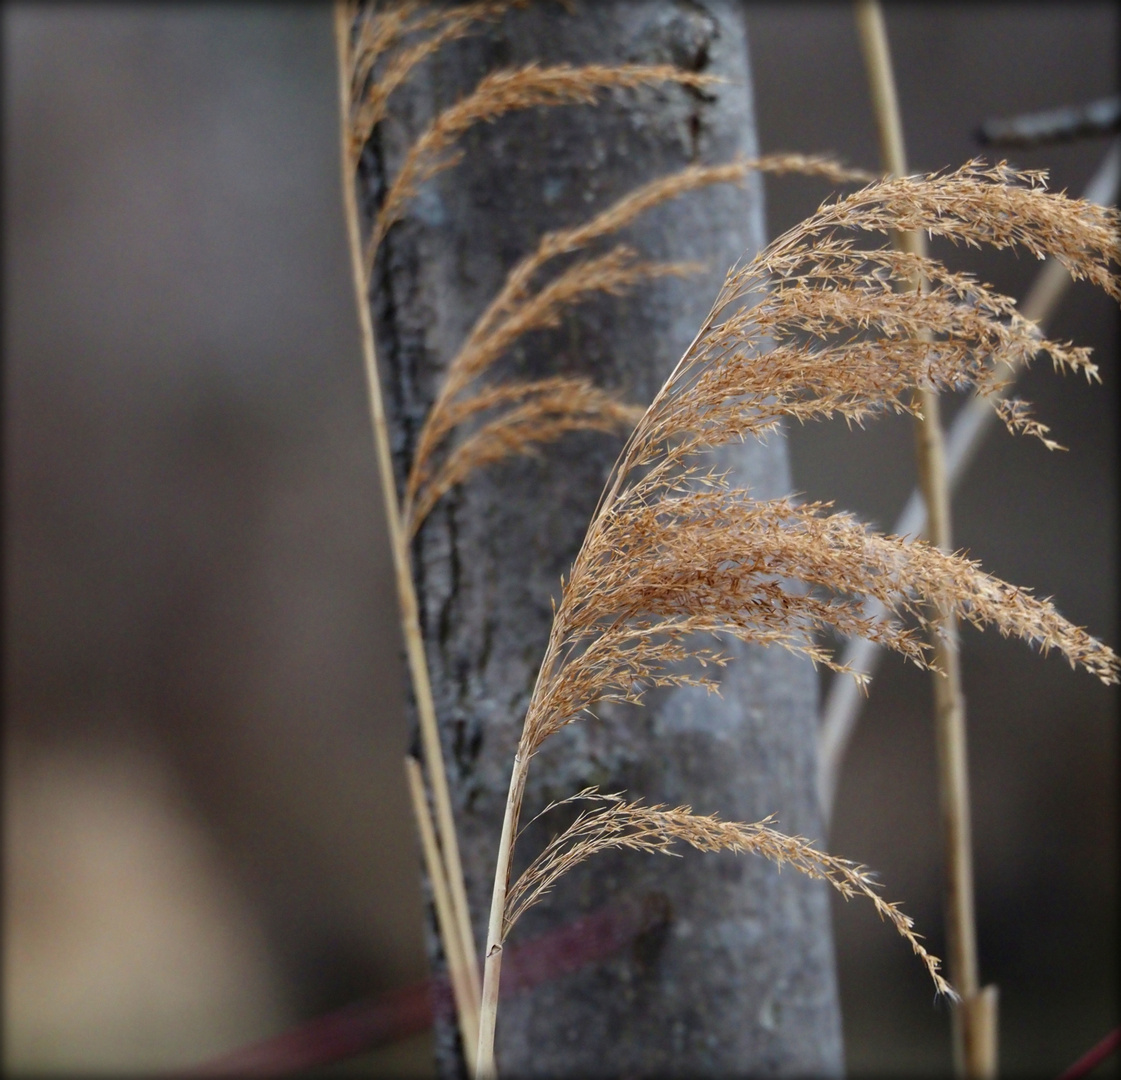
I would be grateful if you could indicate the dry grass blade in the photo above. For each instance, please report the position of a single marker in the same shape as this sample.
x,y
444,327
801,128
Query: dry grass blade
x,y
459,965
974,1023
615,823
497,94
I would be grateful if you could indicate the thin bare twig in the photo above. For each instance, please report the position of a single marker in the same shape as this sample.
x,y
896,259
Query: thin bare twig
x,y
1096,118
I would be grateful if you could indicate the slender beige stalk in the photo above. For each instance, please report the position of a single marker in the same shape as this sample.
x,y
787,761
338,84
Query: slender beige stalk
x,y
974,1022
458,965
492,972
406,594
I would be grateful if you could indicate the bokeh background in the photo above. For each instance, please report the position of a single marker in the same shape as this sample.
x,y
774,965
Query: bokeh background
x,y
206,833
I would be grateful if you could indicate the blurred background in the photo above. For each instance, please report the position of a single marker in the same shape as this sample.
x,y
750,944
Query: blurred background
x,y
206,832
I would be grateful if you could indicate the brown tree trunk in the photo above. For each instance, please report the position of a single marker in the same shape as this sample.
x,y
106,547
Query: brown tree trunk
x,y
738,977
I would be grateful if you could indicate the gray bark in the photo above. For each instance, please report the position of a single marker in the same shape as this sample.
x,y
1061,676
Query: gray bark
x,y
739,979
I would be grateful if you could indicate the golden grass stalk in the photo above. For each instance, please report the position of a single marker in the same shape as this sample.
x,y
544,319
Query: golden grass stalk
x,y
459,946
975,1021
674,554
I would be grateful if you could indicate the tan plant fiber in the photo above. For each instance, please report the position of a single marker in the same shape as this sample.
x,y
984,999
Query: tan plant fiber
x,y
517,310
674,554
442,858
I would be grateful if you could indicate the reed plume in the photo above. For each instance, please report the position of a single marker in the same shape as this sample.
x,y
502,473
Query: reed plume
x,y
540,411
379,32
813,326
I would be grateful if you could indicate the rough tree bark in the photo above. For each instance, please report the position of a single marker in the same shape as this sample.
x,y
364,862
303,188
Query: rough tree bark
x,y
738,978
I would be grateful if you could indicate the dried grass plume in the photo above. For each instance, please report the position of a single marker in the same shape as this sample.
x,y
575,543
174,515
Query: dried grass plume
x,y
815,325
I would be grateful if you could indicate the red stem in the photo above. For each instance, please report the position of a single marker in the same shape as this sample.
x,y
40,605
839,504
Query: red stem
x,y
364,1025
1093,1057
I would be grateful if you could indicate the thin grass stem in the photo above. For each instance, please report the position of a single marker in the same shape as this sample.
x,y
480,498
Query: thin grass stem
x,y
458,965
492,972
406,593
974,1020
